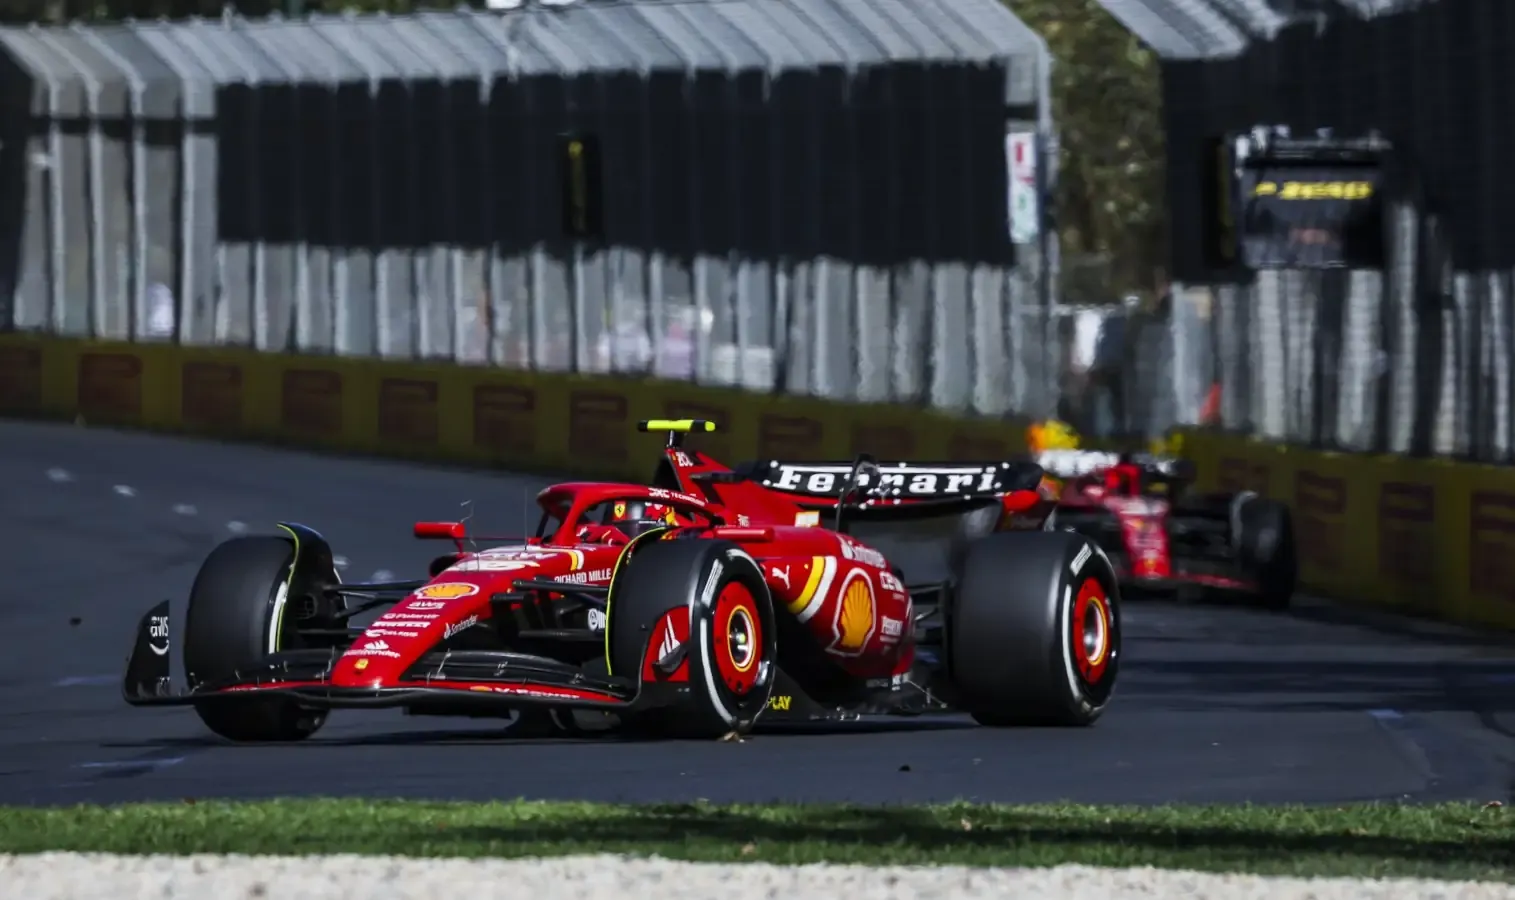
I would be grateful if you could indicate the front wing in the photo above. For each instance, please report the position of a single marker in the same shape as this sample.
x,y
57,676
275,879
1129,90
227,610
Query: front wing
x,y
1181,578
502,680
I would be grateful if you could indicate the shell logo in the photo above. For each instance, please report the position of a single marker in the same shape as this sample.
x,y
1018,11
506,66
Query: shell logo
x,y
855,618
451,590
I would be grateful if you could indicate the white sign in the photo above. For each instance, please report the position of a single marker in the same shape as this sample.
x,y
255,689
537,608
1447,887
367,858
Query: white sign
x,y
1024,204
915,480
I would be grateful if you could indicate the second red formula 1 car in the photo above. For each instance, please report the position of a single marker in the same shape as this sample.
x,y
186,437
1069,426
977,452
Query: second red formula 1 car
x,y
716,598
1162,537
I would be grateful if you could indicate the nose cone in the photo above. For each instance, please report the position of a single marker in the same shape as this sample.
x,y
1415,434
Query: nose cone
x,y
382,653
401,636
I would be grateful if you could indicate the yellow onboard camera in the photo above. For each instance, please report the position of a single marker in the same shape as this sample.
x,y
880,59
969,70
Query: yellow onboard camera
x,y
676,428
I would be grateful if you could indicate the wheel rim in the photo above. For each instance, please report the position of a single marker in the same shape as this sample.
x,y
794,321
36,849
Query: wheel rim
x,y
738,644
1093,631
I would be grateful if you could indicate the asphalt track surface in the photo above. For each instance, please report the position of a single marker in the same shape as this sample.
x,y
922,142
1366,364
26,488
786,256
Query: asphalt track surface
x,y
1215,704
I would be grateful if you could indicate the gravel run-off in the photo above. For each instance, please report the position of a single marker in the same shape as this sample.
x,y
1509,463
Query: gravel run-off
x,y
79,876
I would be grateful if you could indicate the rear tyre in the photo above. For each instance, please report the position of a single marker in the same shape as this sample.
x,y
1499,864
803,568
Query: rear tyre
x,y
708,600
1265,548
235,619
1033,630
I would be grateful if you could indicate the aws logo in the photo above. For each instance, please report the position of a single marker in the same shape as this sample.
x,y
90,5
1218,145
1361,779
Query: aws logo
x,y
1314,190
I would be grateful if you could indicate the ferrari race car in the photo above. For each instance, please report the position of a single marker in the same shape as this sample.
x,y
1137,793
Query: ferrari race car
x,y
1163,538
696,606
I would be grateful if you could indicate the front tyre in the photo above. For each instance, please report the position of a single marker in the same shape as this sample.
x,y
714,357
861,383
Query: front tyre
x,y
235,619
704,603
1033,630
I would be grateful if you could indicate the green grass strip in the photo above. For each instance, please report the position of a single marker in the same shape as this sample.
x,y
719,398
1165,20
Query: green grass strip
x,y
1451,841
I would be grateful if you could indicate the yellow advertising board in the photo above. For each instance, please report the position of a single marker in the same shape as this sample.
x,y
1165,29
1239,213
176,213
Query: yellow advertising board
x,y
1422,536
466,414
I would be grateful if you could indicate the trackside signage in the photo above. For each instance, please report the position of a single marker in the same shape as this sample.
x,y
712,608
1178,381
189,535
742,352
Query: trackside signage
x,y
1311,217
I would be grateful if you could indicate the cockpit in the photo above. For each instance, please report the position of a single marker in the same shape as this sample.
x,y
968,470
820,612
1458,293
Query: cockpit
x,y
614,521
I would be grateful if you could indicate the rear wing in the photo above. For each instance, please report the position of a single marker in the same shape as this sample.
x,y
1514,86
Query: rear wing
x,y
777,490
893,483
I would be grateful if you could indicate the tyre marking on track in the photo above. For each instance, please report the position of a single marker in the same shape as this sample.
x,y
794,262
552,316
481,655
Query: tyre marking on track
x,y
185,509
87,681
140,766
59,476
131,763
1452,768
125,490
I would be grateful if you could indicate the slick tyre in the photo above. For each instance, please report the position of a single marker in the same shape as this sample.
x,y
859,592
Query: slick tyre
x,y
235,619
1033,630
1264,537
705,604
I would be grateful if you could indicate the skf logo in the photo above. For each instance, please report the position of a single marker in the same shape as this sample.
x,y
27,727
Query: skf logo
x,y
1314,190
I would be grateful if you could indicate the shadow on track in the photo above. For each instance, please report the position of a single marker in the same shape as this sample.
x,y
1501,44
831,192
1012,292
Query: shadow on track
x,y
536,736
1396,625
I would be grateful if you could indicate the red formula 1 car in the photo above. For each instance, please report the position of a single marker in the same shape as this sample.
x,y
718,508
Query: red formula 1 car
x,y
1162,537
696,607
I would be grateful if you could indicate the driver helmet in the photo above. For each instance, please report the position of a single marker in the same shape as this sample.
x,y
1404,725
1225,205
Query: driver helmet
x,y
635,517
1052,434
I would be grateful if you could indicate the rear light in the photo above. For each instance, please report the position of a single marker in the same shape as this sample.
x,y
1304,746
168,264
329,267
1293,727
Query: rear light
x,y
748,535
